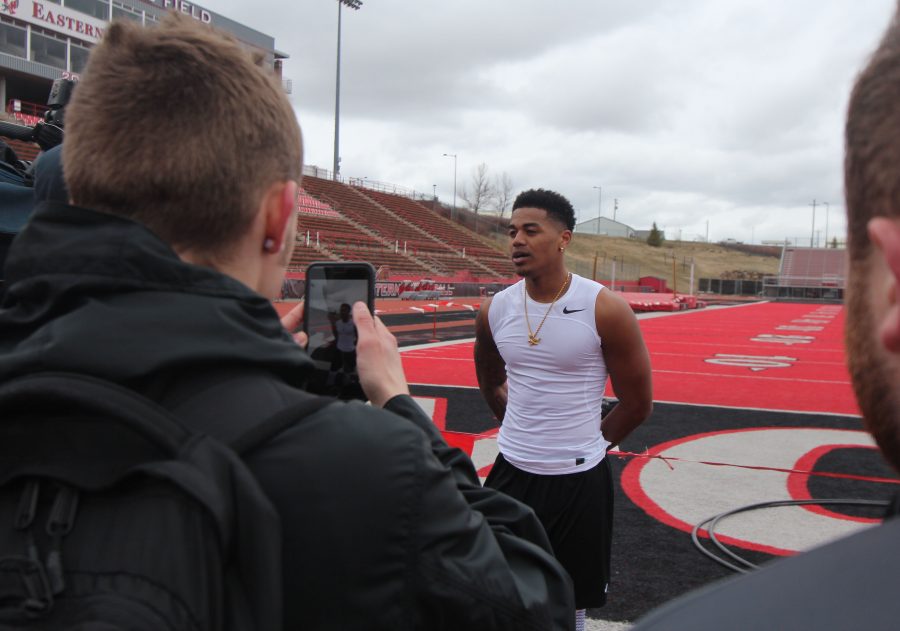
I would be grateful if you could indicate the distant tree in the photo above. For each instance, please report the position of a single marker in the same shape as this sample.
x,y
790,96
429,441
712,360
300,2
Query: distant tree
x,y
481,191
503,193
834,243
655,238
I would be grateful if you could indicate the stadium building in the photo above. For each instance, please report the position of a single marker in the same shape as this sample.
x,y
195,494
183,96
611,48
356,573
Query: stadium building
x,y
605,226
44,40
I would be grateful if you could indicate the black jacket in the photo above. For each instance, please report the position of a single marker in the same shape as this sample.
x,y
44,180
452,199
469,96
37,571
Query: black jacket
x,y
847,585
384,526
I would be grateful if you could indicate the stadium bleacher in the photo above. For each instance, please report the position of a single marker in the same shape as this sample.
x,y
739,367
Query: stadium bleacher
x,y
388,230
815,273
458,238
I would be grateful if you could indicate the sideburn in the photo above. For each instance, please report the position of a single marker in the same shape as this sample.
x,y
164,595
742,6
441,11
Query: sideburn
x,y
870,375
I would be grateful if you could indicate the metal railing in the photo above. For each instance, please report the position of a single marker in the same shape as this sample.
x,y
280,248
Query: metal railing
x,y
824,280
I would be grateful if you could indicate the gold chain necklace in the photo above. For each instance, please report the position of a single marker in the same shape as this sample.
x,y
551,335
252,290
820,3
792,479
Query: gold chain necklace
x,y
533,339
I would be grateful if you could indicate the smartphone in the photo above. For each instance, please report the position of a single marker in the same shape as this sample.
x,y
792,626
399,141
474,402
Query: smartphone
x,y
331,289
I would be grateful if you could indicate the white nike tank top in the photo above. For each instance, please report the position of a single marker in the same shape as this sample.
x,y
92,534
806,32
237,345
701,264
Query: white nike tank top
x,y
552,422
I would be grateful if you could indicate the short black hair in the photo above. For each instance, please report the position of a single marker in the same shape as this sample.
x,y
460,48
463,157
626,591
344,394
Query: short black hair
x,y
557,206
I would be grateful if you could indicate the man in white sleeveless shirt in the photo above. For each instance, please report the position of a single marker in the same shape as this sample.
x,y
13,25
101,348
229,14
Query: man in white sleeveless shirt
x,y
544,348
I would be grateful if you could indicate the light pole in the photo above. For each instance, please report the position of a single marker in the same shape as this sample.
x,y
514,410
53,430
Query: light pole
x,y
453,210
812,234
433,197
599,206
353,4
827,208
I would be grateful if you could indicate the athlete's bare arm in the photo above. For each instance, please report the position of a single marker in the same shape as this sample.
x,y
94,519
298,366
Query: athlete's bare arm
x,y
489,365
628,364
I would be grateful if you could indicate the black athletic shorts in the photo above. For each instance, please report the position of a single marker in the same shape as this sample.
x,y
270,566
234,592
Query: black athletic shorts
x,y
577,512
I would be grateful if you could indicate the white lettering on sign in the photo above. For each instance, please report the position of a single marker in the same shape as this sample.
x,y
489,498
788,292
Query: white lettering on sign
x,y
753,362
787,340
789,327
810,321
189,9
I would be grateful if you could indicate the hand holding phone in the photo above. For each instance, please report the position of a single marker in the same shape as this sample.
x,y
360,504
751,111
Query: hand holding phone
x,y
291,322
380,368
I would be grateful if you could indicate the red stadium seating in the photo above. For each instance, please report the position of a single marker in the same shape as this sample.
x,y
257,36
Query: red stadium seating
x,y
393,231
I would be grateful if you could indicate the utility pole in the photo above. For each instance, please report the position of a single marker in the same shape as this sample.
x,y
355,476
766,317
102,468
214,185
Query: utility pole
x,y
812,234
615,207
599,207
827,208
453,210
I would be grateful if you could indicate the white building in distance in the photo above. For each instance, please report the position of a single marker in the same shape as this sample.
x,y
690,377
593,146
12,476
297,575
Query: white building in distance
x,y
605,226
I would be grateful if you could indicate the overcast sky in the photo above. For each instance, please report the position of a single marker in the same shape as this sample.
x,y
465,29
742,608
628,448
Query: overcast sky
x,y
721,111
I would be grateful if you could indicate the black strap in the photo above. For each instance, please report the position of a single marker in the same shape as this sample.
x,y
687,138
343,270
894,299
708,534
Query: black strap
x,y
277,423
213,403
64,391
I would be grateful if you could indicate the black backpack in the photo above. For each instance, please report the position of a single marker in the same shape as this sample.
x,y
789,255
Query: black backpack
x,y
113,515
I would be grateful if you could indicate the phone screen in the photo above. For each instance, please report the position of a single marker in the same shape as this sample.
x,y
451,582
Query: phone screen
x,y
331,290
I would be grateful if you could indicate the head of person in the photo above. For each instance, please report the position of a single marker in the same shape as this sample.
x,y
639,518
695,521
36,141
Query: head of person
x,y
345,311
539,230
872,186
178,128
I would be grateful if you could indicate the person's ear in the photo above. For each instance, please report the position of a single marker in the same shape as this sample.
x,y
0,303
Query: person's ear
x,y
565,240
885,235
279,204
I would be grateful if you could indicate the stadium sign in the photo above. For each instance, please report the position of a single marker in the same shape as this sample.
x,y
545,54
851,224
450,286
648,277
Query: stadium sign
x,y
185,7
61,19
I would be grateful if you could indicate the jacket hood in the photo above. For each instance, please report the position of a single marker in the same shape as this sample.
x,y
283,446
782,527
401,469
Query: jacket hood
x,y
101,294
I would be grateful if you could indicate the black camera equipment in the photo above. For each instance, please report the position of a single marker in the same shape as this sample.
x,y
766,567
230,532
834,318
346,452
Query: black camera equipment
x,y
16,176
49,132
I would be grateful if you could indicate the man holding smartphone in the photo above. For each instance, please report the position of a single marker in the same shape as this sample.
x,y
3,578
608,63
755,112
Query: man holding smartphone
x,y
157,278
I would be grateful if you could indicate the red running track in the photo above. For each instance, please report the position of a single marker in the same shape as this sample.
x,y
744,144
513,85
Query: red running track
x,y
773,356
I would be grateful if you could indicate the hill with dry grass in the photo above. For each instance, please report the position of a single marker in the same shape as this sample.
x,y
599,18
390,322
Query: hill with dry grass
x,y
597,256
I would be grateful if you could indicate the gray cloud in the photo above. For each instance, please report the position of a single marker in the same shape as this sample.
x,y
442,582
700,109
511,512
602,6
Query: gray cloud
x,y
699,110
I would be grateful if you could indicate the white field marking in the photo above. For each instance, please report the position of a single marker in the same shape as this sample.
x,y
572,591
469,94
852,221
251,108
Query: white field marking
x,y
755,409
419,309
484,451
754,376
754,347
427,404
417,347
595,624
805,361
692,492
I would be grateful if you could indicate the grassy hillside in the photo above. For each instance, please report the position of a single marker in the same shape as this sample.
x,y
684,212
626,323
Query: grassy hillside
x,y
635,259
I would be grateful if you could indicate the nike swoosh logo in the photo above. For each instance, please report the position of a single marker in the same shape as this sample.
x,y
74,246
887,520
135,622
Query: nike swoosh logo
x,y
567,311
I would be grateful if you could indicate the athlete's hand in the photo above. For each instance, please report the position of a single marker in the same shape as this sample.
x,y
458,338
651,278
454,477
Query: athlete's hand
x,y
377,358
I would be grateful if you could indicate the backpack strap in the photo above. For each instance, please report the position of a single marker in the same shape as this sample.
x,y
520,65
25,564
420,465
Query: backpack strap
x,y
239,407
